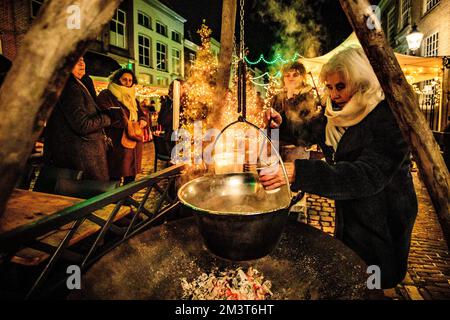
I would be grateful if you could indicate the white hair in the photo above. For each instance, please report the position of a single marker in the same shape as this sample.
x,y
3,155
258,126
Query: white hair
x,y
355,68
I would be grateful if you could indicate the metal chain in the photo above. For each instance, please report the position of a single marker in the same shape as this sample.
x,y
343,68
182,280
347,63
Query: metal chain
x,y
241,32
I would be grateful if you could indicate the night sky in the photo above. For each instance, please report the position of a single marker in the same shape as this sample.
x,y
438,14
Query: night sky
x,y
260,36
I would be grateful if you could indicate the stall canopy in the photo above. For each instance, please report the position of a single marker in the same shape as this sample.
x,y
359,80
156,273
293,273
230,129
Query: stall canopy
x,y
416,69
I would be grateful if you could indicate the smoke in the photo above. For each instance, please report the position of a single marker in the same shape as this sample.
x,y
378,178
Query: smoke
x,y
299,32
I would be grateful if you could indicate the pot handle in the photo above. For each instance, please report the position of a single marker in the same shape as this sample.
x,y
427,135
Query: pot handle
x,y
241,119
299,196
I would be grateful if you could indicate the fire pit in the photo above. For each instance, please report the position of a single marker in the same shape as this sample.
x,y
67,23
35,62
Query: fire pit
x,y
307,264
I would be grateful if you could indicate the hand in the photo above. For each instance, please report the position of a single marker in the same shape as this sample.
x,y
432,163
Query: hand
x,y
142,123
277,180
274,118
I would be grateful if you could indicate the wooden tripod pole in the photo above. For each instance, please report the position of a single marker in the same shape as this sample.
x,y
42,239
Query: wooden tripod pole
x,y
226,51
401,99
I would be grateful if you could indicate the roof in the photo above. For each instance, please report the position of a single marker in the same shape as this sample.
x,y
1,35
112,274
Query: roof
x,y
416,69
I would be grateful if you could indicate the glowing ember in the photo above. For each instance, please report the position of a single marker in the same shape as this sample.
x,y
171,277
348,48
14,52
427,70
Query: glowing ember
x,y
228,285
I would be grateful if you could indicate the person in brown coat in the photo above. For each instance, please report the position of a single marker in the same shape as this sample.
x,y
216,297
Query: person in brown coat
x,y
120,95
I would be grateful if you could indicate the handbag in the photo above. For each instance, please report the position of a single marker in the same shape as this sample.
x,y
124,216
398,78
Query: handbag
x,y
132,133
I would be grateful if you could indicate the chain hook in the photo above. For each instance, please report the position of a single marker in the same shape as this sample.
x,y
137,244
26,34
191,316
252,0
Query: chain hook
x,y
241,31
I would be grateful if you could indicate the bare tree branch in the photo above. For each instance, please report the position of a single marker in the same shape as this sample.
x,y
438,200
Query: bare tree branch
x,y
47,54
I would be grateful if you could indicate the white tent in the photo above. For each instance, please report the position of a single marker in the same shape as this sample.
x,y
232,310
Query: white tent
x,y
416,69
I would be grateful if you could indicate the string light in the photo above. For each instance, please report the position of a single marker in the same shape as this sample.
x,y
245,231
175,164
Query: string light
x,y
278,58
141,90
200,89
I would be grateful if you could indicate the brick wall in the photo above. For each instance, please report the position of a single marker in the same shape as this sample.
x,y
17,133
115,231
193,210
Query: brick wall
x,y
15,20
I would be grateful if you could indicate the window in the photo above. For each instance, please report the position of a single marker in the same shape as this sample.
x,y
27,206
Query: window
x,y
162,81
191,57
176,61
161,56
429,101
161,28
391,28
430,4
431,45
35,7
144,50
145,79
176,36
406,9
144,20
117,32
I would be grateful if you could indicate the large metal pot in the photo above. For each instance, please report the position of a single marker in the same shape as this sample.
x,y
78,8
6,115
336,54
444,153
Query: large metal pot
x,y
237,218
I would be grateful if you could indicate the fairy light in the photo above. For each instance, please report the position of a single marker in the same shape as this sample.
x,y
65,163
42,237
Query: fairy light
x,y
141,90
199,88
278,59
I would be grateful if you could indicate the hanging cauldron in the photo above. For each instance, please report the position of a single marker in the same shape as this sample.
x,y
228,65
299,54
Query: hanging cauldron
x,y
237,218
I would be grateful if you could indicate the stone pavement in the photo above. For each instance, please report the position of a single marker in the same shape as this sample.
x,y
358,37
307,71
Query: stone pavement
x,y
428,274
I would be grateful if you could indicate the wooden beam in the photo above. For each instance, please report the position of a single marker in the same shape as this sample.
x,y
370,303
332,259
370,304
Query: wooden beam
x,y
404,104
226,51
43,63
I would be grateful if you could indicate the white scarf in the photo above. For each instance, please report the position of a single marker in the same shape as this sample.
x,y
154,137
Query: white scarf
x,y
359,106
127,96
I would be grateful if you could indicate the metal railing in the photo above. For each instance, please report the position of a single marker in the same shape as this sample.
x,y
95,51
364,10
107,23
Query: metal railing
x,y
161,183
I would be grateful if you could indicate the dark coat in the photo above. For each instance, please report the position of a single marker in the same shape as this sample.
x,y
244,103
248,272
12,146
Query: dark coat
x,y
89,84
122,162
299,115
165,120
74,137
376,203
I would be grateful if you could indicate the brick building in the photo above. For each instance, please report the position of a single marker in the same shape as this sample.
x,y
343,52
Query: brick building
x,y
432,18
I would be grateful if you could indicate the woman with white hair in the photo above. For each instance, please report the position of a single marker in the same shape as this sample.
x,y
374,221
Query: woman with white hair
x,y
369,178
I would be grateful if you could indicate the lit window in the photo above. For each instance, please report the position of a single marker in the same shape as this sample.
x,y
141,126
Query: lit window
x,y
431,45
430,4
161,56
144,50
161,28
145,79
176,36
176,61
144,20
117,32
162,81
428,102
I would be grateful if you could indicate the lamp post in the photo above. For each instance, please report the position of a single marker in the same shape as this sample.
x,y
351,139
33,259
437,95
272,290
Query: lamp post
x,y
414,39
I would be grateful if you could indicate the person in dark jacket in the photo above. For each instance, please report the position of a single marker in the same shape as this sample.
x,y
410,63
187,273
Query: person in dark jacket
x,y
123,161
376,203
74,137
165,115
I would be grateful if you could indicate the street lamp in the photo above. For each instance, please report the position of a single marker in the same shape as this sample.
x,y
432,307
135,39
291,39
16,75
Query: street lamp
x,y
414,39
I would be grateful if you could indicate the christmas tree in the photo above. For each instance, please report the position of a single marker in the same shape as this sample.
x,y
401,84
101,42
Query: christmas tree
x,y
200,84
